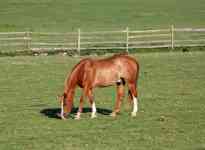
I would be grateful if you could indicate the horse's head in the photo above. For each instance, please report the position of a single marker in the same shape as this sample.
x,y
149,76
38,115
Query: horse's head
x,y
66,106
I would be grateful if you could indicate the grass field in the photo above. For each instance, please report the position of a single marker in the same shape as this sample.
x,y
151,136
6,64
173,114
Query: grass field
x,y
69,15
172,85
171,109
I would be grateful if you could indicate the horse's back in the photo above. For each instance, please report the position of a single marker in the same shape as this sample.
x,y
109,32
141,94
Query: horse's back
x,y
110,70
106,71
129,66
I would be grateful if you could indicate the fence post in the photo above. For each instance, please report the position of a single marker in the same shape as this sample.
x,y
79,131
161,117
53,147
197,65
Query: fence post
x,y
172,36
78,48
127,40
27,39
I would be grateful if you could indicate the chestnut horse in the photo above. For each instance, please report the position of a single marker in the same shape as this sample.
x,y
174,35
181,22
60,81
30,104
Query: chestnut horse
x,y
88,74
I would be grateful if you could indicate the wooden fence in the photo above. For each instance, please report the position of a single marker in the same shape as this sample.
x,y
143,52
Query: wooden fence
x,y
124,39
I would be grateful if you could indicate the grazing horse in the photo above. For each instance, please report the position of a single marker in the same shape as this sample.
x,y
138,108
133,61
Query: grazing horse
x,y
88,74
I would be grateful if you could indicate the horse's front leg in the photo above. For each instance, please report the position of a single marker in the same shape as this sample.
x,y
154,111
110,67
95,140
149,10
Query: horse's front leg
x,y
80,108
120,94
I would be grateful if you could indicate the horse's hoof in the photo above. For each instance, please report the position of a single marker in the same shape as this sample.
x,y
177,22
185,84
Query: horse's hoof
x,y
93,116
61,116
58,115
77,117
113,114
134,114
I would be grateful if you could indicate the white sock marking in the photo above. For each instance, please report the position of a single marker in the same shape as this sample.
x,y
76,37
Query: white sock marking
x,y
77,115
135,106
94,110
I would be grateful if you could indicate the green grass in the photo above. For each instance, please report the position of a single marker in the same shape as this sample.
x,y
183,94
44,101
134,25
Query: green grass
x,y
171,107
68,15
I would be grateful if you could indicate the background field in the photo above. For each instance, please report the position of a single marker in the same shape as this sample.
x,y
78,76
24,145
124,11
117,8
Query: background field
x,y
69,15
171,108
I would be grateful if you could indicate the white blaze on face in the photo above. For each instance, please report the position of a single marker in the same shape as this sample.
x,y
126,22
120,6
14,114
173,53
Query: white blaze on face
x,y
62,110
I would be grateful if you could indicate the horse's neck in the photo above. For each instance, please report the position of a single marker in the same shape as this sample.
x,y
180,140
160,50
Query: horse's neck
x,y
70,85
75,77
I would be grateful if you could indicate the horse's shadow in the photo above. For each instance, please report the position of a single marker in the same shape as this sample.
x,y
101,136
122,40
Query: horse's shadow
x,y
53,112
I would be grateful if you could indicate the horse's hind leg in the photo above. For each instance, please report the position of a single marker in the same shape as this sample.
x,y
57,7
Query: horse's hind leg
x,y
133,94
92,103
120,94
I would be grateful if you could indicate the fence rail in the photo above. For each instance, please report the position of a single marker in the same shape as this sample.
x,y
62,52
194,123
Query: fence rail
x,y
123,39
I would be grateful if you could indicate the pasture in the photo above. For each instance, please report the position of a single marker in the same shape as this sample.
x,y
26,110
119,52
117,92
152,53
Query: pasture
x,y
66,16
171,108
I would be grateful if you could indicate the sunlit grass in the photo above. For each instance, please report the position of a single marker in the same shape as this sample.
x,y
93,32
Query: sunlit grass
x,y
171,107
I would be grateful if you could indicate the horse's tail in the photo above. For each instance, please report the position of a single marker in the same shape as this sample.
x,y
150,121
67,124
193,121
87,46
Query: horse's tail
x,y
136,83
137,72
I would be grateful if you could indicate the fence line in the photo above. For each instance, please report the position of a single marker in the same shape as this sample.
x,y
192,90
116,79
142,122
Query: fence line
x,y
122,39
